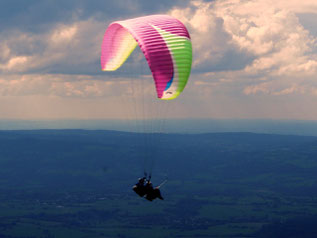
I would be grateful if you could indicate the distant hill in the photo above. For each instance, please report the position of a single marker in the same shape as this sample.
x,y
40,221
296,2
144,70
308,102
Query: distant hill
x,y
268,126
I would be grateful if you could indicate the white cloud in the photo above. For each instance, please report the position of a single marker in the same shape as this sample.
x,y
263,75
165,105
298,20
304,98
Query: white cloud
x,y
297,6
64,34
55,85
210,41
76,86
247,55
280,49
65,45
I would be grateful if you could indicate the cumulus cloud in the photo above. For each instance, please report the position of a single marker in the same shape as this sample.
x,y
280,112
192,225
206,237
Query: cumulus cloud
x,y
212,44
50,85
58,49
76,86
275,36
269,34
242,50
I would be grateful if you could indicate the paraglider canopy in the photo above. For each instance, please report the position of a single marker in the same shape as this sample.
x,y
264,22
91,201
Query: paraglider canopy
x,y
165,43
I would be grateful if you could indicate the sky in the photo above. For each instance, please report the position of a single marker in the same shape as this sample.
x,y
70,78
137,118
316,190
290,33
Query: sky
x,y
252,59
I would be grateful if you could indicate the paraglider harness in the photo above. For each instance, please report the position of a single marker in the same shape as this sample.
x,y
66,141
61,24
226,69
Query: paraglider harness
x,y
144,188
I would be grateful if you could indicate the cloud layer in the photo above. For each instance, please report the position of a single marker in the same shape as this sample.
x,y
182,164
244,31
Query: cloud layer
x,y
247,54
275,53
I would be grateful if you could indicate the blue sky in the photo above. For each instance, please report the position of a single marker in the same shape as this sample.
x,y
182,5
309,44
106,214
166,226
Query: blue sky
x,y
252,59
